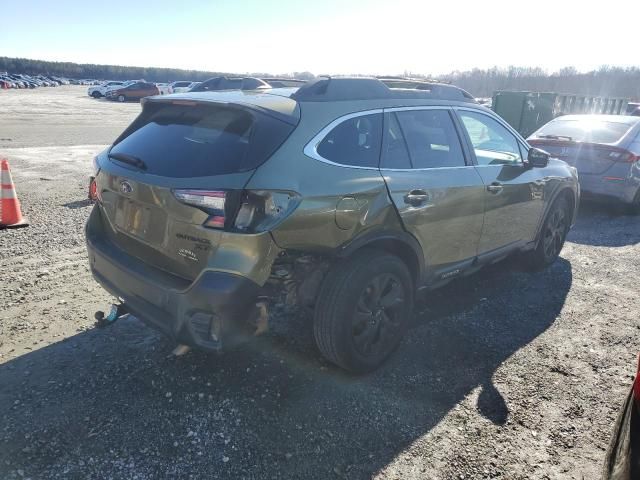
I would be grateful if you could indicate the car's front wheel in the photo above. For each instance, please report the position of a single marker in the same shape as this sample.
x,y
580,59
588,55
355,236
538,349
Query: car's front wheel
x,y
121,98
363,310
96,94
552,236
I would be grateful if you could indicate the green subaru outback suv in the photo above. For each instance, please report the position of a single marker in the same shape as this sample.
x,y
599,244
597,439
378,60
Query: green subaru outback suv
x,y
348,196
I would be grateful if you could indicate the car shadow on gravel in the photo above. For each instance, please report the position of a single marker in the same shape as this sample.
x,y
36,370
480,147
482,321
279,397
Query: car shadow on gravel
x,y
109,403
605,224
78,204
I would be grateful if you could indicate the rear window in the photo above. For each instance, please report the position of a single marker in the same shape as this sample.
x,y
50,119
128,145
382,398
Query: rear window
x,y
204,140
355,142
585,130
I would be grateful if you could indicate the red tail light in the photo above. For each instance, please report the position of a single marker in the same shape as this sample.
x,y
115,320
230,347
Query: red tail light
x,y
249,211
212,202
93,189
622,156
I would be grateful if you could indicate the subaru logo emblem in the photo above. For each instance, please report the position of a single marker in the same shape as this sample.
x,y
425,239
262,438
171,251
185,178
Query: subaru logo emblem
x,y
125,187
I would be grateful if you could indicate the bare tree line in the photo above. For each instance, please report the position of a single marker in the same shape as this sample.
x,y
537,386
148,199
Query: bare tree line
x,y
605,81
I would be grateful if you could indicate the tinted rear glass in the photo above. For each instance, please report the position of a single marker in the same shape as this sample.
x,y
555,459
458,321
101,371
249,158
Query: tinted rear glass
x,y
355,141
431,138
586,130
197,141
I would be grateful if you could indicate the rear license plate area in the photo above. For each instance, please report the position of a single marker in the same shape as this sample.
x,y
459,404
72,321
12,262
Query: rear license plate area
x,y
133,218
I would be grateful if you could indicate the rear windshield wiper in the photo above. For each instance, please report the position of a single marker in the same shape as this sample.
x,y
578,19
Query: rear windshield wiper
x,y
557,137
130,159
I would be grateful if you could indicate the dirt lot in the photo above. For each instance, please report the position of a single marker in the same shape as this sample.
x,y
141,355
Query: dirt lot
x,y
505,374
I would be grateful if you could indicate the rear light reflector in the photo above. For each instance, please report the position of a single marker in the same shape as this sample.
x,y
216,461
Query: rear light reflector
x,y
622,156
215,221
209,201
201,198
93,189
242,211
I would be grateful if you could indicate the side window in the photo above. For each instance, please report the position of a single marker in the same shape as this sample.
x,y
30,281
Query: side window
x,y
355,142
492,143
431,138
394,148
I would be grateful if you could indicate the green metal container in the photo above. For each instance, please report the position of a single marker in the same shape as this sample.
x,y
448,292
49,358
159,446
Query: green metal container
x,y
528,111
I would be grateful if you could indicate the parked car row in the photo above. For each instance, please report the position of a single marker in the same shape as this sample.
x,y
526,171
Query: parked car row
x,y
17,80
123,91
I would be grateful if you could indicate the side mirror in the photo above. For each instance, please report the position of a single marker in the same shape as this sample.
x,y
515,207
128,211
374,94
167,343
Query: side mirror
x,y
537,158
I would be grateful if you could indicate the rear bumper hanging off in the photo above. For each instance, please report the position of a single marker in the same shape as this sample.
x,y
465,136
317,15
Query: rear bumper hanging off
x,y
210,312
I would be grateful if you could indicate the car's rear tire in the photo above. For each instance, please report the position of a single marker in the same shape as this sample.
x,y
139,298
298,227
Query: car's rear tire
x,y
552,236
363,310
634,207
121,98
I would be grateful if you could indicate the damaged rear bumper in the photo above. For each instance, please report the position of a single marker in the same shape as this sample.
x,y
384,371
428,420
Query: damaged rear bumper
x,y
209,313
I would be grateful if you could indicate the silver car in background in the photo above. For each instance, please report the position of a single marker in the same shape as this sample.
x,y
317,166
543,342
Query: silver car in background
x,y
605,149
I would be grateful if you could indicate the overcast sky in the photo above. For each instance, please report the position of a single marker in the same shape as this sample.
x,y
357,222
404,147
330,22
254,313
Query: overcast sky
x,y
324,36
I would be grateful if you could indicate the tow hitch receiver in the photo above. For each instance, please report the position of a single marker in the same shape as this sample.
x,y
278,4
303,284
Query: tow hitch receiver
x,y
115,313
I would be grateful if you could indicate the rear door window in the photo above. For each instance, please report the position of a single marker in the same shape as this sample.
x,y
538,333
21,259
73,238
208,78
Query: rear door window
x,y
355,142
431,138
203,140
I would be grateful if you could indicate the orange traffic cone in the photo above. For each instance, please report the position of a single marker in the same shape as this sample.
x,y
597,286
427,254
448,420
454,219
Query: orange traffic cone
x,y
10,215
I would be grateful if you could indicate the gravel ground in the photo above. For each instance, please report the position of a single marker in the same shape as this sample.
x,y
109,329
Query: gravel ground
x,y
505,374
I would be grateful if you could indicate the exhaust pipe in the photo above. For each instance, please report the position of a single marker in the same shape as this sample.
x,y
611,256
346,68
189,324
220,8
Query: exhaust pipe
x,y
115,313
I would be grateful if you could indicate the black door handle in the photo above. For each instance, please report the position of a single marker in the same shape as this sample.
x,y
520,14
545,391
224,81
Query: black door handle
x,y
495,187
415,198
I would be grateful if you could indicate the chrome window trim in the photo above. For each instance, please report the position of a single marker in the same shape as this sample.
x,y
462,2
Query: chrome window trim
x,y
311,148
408,109
424,169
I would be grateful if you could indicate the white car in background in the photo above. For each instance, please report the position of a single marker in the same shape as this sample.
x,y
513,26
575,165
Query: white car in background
x,y
164,88
183,86
98,91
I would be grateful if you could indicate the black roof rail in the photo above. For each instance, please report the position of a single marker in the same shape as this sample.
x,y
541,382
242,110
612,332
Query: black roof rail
x,y
416,80
282,79
331,89
278,82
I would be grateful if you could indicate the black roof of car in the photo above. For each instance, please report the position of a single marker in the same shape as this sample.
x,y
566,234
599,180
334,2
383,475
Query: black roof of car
x,y
365,88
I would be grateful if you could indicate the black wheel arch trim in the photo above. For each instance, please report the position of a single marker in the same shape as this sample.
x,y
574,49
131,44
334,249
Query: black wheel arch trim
x,y
372,237
556,194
